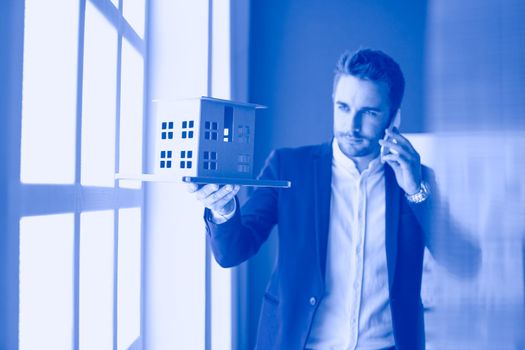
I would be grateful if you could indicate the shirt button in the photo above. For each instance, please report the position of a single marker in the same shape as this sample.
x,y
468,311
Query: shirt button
x,y
313,301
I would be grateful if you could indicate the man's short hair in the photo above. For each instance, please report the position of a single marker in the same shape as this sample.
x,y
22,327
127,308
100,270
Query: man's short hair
x,y
374,65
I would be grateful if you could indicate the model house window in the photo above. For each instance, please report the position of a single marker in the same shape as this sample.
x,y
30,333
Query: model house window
x,y
211,131
165,159
243,163
210,160
186,159
228,124
243,168
167,131
243,134
187,129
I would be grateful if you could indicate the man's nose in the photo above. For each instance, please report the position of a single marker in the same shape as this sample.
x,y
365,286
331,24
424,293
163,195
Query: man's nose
x,y
355,122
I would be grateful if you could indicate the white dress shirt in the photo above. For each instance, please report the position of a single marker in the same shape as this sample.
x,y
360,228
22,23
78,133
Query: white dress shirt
x,y
355,311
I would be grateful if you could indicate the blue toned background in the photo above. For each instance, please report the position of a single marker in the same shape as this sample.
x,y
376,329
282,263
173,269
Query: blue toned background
x,y
294,46
464,109
464,64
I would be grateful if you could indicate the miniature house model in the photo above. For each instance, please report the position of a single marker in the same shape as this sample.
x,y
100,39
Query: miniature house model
x,y
205,137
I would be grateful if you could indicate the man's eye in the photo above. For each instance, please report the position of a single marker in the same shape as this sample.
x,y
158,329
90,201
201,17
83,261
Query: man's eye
x,y
371,113
343,108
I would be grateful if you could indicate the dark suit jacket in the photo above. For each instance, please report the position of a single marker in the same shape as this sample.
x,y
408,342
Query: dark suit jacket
x,y
302,213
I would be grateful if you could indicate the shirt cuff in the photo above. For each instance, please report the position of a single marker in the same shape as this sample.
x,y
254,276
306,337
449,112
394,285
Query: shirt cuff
x,y
218,219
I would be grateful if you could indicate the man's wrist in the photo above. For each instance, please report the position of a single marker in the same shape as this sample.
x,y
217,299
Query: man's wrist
x,y
421,195
220,218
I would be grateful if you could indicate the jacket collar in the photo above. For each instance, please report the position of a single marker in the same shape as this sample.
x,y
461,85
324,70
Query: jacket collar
x,y
393,203
323,180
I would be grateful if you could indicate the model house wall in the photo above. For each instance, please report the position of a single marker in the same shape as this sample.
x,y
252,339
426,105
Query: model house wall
x,y
205,137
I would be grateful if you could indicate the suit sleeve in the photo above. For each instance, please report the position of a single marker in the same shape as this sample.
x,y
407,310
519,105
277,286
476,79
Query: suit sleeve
x,y
240,238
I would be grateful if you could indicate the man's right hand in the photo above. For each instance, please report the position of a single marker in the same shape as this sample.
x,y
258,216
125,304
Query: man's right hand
x,y
220,200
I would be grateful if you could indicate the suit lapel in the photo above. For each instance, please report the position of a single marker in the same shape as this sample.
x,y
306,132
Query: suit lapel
x,y
322,193
392,202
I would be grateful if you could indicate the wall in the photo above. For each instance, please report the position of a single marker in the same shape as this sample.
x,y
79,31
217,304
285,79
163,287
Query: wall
x,y
175,259
294,46
464,64
475,100
11,52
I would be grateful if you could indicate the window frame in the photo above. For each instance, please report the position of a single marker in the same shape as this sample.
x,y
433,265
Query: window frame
x,y
21,200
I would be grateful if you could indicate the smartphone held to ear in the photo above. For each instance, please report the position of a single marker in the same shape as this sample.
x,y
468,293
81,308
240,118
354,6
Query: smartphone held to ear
x,y
395,123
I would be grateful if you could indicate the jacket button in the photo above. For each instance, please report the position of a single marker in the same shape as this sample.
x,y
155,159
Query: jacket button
x,y
313,301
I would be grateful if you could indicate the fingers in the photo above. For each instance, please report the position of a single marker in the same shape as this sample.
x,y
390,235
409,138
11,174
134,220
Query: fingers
x,y
393,146
213,196
404,160
393,160
212,200
206,191
396,152
401,160
220,204
400,145
191,187
399,140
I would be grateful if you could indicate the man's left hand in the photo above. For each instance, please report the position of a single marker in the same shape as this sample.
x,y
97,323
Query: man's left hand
x,y
405,161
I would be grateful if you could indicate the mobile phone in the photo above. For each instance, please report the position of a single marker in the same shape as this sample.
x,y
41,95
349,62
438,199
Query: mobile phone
x,y
395,123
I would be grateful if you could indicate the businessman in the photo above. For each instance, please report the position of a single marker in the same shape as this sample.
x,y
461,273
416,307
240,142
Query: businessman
x,y
352,228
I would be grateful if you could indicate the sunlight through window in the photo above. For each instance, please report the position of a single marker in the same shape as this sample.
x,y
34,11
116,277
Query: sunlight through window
x,y
96,280
99,101
131,114
129,282
49,92
46,266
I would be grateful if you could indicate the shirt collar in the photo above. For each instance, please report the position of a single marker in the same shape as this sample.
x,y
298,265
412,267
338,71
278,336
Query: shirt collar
x,y
341,160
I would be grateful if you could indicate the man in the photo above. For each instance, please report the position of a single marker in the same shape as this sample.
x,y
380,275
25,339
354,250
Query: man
x,y
352,228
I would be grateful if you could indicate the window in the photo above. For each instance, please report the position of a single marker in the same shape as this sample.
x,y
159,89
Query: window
x,y
243,134
82,121
49,128
210,131
228,124
243,168
210,160
46,281
243,163
73,225
187,129
186,161
97,253
129,277
165,159
167,130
